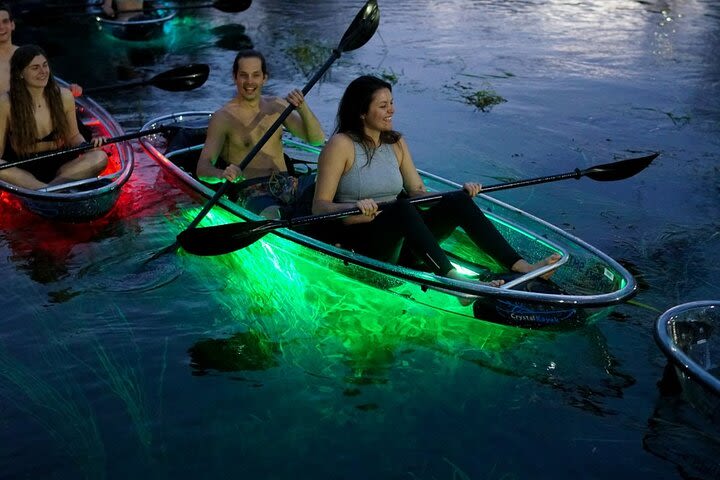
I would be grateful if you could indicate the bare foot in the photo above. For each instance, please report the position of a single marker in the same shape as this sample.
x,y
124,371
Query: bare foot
x,y
522,266
469,299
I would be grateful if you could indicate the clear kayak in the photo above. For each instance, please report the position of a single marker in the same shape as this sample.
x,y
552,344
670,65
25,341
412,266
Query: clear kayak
x,y
689,336
140,27
584,283
82,200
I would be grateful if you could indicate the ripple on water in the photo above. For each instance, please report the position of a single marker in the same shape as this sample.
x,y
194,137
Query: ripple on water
x,y
131,272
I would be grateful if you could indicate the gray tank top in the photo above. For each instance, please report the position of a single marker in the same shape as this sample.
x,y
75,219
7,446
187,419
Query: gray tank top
x,y
380,179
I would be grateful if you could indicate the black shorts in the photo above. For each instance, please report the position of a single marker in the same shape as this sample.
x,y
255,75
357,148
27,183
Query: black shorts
x,y
46,170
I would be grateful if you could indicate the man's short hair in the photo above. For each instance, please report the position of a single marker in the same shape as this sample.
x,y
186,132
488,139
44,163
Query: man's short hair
x,y
6,7
249,53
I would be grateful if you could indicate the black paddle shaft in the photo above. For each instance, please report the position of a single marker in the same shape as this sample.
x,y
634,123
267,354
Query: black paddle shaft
x,y
358,33
84,147
261,143
221,239
606,172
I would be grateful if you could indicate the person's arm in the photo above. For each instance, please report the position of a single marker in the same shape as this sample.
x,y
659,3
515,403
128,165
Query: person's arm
x,y
74,137
412,183
107,8
4,117
214,142
14,175
337,154
302,122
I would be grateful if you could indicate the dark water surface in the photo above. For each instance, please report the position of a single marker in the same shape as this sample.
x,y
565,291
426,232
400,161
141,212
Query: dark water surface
x,y
212,367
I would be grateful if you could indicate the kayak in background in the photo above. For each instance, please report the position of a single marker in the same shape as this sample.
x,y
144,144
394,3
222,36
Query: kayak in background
x,y
139,27
81,200
689,336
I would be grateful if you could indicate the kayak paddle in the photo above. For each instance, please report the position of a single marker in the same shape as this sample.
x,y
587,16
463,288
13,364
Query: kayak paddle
x,y
221,239
179,79
84,147
358,34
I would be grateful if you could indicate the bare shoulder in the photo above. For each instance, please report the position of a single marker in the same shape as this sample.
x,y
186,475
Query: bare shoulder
x,y
273,105
220,118
4,104
339,150
402,144
67,98
340,141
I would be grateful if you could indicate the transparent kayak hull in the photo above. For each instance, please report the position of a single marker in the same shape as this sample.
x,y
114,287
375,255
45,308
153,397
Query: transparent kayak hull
x,y
142,27
689,336
87,199
584,284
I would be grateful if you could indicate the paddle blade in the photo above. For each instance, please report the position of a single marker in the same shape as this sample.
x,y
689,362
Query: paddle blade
x,y
232,6
181,79
362,28
222,239
621,170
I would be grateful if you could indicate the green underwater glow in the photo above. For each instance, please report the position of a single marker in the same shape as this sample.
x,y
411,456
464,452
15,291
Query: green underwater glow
x,y
313,305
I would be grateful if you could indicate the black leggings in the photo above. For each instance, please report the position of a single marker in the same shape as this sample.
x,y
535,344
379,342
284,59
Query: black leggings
x,y
402,232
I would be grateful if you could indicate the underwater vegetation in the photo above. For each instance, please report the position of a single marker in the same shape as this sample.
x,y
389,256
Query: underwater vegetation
x,y
483,99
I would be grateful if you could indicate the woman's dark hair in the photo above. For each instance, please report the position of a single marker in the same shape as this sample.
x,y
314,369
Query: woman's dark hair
x,y
22,117
249,53
355,103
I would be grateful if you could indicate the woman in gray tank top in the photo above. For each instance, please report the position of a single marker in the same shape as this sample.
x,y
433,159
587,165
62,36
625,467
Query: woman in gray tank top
x,y
365,162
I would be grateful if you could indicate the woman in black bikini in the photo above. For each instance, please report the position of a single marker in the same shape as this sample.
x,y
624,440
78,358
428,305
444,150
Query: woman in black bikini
x,y
38,115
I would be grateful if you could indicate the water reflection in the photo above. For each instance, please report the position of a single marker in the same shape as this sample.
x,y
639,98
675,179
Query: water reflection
x,y
241,352
589,388
679,434
583,81
232,37
43,248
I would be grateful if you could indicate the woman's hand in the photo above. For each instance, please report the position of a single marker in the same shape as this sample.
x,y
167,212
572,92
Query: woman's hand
x,y
368,207
231,173
98,142
472,188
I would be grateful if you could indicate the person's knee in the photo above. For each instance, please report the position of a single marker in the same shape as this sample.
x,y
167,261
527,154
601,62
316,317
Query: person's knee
x,y
102,160
96,161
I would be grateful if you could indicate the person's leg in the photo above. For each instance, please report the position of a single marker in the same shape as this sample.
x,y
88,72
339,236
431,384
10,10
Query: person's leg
x,y
21,178
87,165
262,204
381,239
459,209
420,241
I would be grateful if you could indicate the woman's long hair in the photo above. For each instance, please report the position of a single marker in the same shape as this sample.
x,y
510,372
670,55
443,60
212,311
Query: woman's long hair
x,y
24,134
355,103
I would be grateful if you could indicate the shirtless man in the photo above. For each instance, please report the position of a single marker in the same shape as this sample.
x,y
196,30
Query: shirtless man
x,y
122,6
7,26
7,48
236,128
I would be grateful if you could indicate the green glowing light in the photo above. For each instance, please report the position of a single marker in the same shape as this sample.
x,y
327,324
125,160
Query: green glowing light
x,y
291,293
